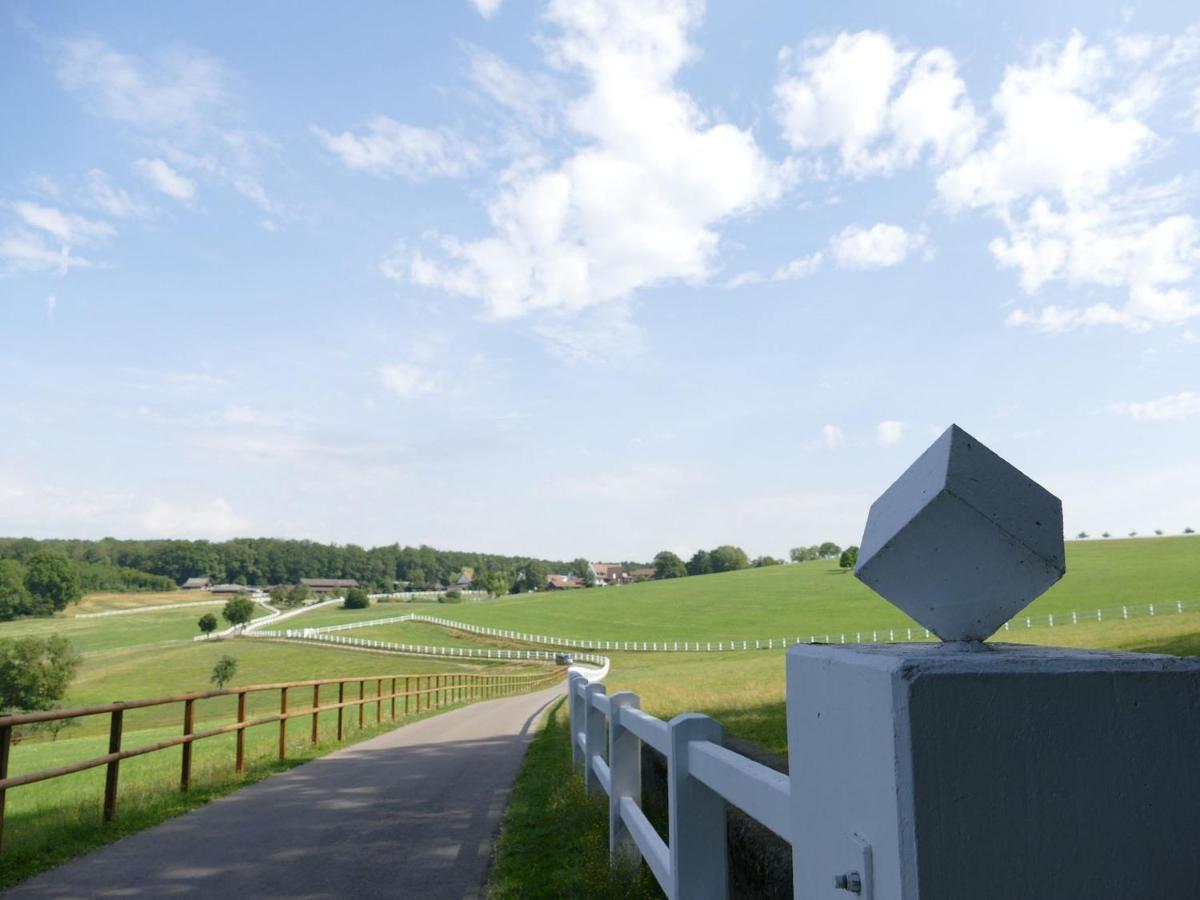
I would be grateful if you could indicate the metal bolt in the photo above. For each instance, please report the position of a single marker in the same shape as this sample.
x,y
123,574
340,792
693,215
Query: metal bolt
x,y
851,882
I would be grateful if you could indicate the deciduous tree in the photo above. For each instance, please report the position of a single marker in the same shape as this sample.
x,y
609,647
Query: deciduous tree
x,y
207,623
238,611
668,565
35,672
52,582
223,672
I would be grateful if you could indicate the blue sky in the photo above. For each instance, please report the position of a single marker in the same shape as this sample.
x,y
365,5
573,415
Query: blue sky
x,y
589,278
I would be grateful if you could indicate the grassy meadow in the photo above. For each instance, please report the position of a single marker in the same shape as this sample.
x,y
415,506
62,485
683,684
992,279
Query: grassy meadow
x,y
818,598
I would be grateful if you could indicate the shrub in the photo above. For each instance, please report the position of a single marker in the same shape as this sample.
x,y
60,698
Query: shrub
x,y
207,623
356,598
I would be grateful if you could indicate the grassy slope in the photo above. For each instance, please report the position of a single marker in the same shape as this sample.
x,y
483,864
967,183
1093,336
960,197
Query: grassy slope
x,y
113,632
106,601
817,597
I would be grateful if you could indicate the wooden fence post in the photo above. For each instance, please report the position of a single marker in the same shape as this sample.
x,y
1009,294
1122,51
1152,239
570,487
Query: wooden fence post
x,y
407,693
189,721
593,726
316,723
625,775
362,707
341,709
379,701
114,767
283,708
240,762
5,747
393,699
696,838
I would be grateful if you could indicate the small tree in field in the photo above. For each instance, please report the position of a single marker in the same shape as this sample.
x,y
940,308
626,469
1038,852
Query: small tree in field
x,y
1106,535
1083,535
356,598
238,611
1158,531
849,558
223,672
207,623
1188,531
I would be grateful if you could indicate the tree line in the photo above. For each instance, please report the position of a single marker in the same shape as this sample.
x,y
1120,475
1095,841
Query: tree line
x,y
728,558
159,564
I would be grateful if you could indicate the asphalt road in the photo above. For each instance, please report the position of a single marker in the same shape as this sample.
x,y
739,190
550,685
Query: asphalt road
x,y
411,813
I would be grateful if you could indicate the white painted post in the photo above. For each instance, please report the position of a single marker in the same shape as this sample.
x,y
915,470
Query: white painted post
x,y
593,725
574,679
625,771
696,838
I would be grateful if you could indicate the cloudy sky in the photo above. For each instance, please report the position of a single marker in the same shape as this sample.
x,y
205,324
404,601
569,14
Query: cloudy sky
x,y
590,278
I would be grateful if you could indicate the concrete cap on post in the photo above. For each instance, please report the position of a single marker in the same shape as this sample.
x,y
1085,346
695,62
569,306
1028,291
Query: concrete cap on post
x,y
962,541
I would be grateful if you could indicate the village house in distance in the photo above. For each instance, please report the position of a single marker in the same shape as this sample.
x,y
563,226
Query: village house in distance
x,y
605,575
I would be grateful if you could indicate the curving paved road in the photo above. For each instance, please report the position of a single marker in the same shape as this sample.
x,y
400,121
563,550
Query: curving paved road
x,y
411,813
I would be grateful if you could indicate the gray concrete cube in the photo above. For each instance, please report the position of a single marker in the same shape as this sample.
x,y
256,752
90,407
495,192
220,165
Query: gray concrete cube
x,y
962,541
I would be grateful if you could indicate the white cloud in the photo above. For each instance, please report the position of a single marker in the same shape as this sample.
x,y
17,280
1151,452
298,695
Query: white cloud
x,y
47,239
66,227
181,92
388,147
889,433
25,252
178,104
406,380
832,436
1183,405
881,107
51,306
1056,174
638,201
800,267
486,8
163,178
532,98
1059,133
113,200
879,246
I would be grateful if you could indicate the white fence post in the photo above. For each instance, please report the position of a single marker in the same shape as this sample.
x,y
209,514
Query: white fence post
x,y
593,726
575,716
625,775
699,865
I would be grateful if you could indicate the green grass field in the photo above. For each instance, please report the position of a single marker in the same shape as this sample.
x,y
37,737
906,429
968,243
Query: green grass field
x,y
818,598
117,632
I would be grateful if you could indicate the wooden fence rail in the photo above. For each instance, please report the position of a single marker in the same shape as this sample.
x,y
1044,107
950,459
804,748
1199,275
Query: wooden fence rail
x,y
421,692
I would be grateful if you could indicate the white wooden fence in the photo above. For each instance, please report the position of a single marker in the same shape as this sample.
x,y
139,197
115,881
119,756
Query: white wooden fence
x,y
702,776
859,636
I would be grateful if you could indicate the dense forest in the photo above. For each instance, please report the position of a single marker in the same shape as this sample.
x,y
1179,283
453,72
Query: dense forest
x,y
111,564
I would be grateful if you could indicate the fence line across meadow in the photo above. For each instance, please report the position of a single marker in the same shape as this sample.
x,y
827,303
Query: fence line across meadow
x,y
858,636
440,689
492,654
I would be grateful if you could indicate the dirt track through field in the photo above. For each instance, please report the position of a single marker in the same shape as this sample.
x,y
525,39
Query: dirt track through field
x,y
411,813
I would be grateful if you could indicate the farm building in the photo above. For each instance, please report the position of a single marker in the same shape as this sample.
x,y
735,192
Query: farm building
x,y
325,585
563,582
609,573
197,584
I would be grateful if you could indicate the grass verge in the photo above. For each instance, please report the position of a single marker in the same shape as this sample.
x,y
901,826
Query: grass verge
x,y
554,838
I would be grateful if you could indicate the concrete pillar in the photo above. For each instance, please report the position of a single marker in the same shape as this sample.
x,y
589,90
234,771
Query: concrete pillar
x,y
939,771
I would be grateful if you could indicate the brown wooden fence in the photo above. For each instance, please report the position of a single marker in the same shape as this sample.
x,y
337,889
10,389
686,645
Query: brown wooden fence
x,y
418,693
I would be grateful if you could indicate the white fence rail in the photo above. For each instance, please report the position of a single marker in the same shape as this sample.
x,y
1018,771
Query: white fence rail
x,y
475,653
702,776
858,636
